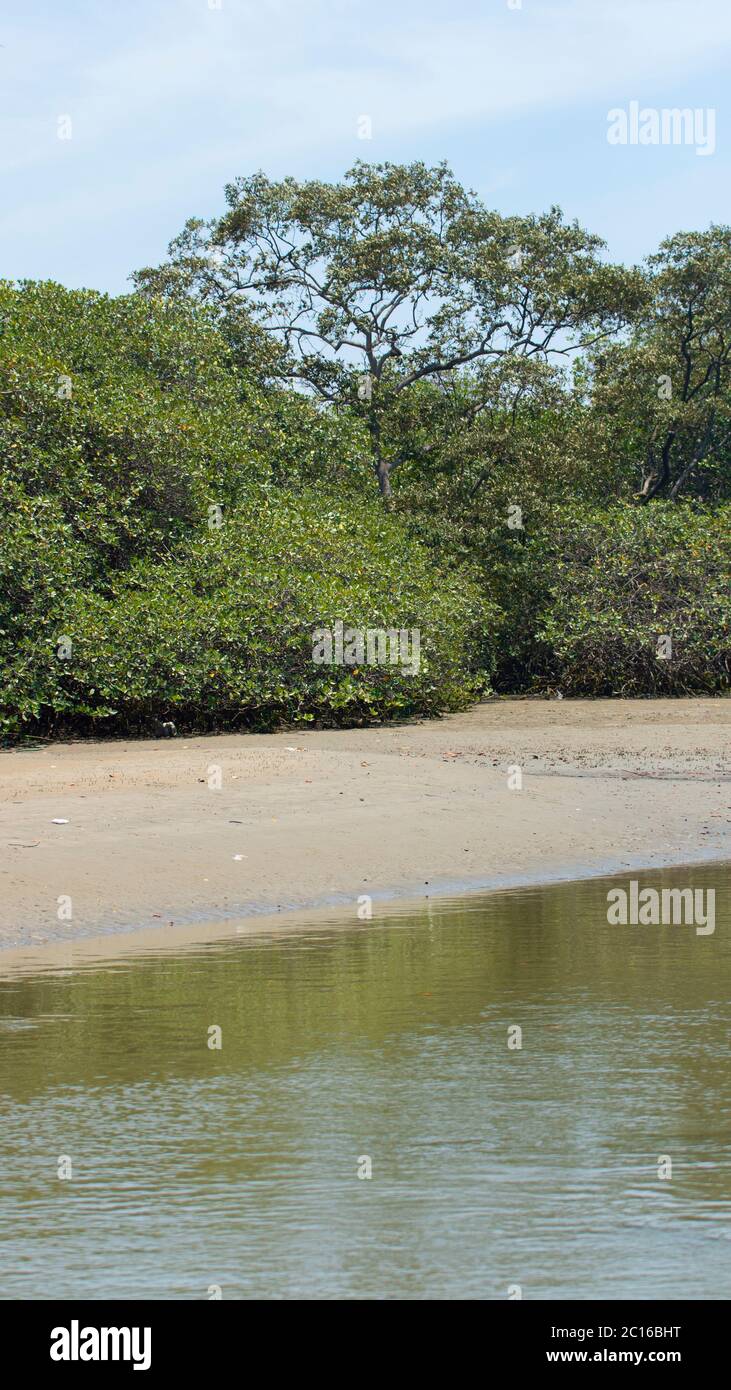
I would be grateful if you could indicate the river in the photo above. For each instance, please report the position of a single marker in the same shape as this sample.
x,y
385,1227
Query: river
x,y
139,1160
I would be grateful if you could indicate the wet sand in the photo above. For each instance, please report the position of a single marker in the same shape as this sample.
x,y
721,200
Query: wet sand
x,y
165,836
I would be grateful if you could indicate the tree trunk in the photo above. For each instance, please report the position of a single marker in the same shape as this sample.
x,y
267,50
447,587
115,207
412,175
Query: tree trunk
x,y
383,471
657,480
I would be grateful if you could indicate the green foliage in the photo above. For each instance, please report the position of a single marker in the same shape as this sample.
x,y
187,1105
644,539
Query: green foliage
x,y
122,423
131,414
584,584
394,276
661,400
488,498
221,634
548,525
620,580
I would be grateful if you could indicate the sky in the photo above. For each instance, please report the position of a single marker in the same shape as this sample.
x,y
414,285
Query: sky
x,y
119,119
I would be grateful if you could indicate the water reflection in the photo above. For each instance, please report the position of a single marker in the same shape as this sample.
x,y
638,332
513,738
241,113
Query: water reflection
x,y
388,1039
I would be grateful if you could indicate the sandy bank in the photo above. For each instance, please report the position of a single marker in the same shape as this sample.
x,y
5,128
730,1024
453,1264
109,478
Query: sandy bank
x,y
322,817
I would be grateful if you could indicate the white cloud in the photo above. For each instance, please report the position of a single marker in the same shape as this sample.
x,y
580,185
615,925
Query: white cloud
x,y
169,98
299,72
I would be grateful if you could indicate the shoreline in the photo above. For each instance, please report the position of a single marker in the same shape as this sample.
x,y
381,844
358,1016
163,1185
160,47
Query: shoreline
x,y
209,831
125,942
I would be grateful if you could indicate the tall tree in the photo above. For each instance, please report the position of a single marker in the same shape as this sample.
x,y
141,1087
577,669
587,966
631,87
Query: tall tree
x,y
663,397
393,277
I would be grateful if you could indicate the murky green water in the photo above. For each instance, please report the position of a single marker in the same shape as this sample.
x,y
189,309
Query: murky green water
x,y
491,1167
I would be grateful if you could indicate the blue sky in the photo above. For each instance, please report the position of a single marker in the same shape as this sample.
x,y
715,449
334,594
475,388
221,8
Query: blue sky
x,y
170,99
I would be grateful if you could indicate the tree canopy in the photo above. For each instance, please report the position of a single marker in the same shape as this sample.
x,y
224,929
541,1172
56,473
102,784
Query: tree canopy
x,y
396,276
664,392
187,471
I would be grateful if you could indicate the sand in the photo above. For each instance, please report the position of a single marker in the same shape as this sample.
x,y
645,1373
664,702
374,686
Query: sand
x,y
152,843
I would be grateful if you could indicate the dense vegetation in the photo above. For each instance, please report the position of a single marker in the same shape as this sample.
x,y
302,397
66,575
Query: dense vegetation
x,y
187,472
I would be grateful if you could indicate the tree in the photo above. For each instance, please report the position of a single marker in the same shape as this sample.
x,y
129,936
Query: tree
x,y
662,398
391,278
167,547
